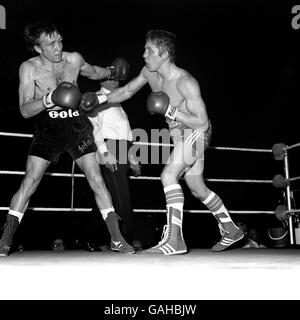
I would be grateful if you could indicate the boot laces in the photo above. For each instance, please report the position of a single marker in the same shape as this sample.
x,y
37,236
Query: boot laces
x,y
222,230
164,236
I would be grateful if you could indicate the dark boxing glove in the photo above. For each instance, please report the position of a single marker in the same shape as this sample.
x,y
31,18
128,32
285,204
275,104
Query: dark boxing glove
x,y
90,100
159,102
119,69
66,95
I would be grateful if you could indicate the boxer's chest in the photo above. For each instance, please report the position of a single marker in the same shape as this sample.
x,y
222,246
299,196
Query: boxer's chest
x,y
48,79
170,88
176,99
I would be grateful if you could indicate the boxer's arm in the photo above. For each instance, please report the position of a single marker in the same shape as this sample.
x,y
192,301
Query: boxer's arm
x,y
29,106
189,88
94,72
87,70
126,92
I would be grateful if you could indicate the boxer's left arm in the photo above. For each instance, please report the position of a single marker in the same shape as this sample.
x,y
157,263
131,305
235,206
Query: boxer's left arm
x,y
87,70
29,106
197,117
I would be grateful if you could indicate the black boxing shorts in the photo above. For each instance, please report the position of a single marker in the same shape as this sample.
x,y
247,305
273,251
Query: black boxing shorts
x,y
63,130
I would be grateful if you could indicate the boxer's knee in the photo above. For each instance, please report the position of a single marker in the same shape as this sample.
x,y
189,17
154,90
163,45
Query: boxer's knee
x,y
168,177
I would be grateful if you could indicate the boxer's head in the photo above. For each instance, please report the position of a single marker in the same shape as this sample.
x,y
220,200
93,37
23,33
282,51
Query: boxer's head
x,y
164,41
160,47
44,38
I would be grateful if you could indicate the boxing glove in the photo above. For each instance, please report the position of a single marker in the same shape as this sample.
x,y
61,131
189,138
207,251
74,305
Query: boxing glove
x,y
90,100
66,95
119,69
159,102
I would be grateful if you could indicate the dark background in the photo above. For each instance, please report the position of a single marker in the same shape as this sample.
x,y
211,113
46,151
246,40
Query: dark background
x,y
244,55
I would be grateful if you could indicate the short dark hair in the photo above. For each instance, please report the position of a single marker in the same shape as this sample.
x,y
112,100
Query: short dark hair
x,y
32,33
164,41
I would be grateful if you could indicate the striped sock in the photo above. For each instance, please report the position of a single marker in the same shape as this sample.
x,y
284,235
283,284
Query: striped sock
x,y
174,199
214,203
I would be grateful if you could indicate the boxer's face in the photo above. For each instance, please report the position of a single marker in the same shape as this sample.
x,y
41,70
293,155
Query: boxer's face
x,y
152,57
50,47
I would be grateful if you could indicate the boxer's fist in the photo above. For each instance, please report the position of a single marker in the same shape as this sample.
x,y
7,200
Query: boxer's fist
x,y
136,169
66,95
90,100
159,102
119,69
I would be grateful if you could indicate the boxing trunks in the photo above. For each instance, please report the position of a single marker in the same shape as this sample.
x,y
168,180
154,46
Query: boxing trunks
x,y
198,140
59,130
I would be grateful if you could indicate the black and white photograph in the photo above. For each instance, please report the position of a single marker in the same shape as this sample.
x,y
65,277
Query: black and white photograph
x,y
149,152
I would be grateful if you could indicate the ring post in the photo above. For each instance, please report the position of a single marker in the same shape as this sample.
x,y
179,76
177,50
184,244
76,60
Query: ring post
x,y
288,196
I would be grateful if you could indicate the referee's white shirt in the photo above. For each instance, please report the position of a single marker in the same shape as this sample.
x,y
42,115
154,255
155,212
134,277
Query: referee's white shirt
x,y
113,122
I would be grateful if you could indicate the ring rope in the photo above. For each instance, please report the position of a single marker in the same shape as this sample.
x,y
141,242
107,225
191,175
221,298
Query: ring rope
x,y
10,134
73,175
41,209
292,146
241,149
80,175
152,143
293,179
158,144
293,211
55,174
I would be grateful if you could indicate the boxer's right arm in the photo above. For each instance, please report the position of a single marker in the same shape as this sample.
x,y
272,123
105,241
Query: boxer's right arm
x,y
29,106
126,92
91,100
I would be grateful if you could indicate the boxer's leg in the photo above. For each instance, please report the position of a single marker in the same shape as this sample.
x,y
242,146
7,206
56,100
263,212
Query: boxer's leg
x,y
83,152
35,169
90,168
230,232
194,180
181,158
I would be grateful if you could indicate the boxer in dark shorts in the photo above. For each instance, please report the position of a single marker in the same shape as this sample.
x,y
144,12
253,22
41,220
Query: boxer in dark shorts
x,y
60,131
48,90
